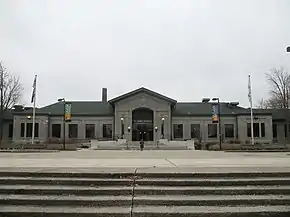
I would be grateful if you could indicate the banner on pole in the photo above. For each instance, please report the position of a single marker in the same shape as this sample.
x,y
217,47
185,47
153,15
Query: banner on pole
x,y
67,112
215,117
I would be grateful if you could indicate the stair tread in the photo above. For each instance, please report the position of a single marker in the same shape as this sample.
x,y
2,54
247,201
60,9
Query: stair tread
x,y
62,197
209,209
65,178
61,209
140,187
212,197
178,188
64,187
216,179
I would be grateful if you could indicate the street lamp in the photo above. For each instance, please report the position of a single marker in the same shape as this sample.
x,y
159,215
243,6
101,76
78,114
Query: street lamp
x,y
162,128
219,119
122,123
63,100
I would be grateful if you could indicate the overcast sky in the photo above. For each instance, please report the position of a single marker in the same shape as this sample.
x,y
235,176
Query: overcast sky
x,y
184,49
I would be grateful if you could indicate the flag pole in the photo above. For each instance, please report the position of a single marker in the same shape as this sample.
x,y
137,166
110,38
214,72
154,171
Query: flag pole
x,y
251,106
33,114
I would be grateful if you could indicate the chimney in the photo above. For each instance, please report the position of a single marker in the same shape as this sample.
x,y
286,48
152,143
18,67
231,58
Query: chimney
x,y
104,95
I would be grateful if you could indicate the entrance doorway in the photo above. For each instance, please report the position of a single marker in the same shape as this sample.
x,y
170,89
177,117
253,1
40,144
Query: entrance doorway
x,y
142,124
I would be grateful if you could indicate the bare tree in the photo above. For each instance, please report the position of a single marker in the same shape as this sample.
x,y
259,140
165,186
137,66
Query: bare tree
x,y
279,81
263,104
10,94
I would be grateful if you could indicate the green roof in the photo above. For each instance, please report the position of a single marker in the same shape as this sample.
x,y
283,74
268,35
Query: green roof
x,y
205,109
89,108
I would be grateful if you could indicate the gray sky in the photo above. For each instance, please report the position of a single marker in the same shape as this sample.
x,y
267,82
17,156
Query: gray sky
x,y
185,49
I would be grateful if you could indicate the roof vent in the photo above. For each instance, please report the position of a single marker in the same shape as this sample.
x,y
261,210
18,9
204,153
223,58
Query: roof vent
x,y
18,108
206,100
234,103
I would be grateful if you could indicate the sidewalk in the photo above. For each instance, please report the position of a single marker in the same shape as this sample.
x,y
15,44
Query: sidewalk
x,y
156,160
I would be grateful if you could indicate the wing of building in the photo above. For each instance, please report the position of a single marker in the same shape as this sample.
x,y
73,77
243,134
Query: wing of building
x,y
148,115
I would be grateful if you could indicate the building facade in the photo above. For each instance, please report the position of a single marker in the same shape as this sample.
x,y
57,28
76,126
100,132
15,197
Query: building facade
x,y
145,114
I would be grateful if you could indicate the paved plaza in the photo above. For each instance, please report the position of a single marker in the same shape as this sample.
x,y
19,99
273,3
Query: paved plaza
x,y
159,161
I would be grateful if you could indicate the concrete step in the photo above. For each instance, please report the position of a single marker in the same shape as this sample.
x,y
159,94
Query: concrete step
x,y
211,211
103,175
65,190
145,182
214,181
58,211
64,181
216,190
212,200
128,175
61,200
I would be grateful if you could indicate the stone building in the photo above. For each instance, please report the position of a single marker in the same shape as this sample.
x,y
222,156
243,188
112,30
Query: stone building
x,y
145,114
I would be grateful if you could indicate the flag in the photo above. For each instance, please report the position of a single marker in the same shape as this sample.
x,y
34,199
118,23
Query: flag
x,y
249,89
34,89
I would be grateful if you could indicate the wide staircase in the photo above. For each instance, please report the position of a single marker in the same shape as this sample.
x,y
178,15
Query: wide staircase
x,y
26,194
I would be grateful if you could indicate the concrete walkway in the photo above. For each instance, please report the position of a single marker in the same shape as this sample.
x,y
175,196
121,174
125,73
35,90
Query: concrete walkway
x,y
157,160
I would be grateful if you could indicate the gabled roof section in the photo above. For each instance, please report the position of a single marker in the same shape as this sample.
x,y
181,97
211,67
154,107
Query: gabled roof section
x,y
142,90
88,108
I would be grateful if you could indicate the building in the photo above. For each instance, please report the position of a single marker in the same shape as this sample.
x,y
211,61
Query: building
x,y
145,114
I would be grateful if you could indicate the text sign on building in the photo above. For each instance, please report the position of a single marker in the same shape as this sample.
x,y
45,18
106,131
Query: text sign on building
x,y
215,110
67,112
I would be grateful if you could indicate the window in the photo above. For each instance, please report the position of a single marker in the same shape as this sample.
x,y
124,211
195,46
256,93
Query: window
x,y
22,129
195,131
249,130
10,132
212,130
229,130
73,131
28,129
107,131
256,127
90,131
274,130
178,131
285,130
262,129
36,130
55,130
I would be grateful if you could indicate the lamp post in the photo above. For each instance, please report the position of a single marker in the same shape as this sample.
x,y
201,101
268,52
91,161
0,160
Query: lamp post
x,y
63,100
122,125
219,119
162,128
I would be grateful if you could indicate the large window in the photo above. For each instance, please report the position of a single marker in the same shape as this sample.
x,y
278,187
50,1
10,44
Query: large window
x,y
36,130
195,131
22,129
10,131
212,130
229,130
256,127
55,130
73,131
90,131
107,131
274,130
262,129
178,131
29,130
